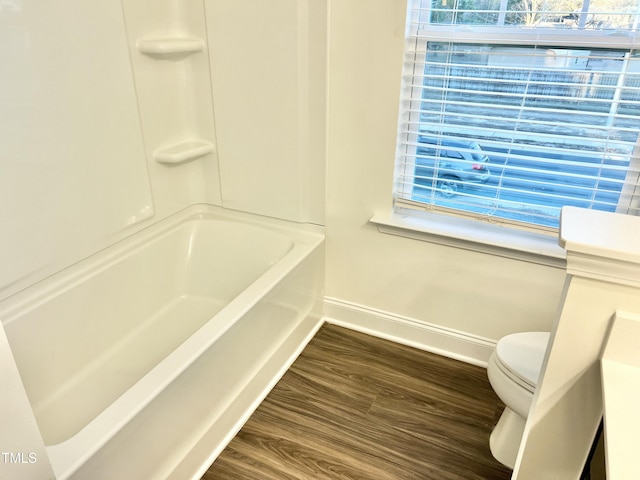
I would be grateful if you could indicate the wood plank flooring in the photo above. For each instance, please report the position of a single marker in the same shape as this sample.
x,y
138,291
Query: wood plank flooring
x,y
354,406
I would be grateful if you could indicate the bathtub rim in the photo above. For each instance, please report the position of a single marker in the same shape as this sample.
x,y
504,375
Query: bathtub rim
x,y
14,305
69,455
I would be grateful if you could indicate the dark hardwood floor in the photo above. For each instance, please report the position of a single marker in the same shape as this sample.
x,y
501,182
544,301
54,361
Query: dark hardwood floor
x,y
354,406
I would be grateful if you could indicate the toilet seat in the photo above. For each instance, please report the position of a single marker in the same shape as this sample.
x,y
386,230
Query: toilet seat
x,y
519,356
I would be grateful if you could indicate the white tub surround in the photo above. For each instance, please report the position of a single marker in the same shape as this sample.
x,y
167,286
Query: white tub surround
x,y
268,80
147,357
603,264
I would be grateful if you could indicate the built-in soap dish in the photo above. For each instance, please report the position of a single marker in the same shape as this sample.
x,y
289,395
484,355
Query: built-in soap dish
x,y
183,152
172,47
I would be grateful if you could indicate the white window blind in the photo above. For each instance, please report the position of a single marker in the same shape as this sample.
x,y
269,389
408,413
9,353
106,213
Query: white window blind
x,y
511,110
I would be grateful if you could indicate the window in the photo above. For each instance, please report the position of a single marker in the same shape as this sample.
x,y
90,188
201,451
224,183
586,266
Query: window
x,y
513,109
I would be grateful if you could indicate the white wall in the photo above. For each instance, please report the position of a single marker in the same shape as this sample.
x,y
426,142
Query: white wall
x,y
469,292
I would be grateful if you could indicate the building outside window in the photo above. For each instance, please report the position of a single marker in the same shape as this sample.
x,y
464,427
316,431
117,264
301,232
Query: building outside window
x,y
513,109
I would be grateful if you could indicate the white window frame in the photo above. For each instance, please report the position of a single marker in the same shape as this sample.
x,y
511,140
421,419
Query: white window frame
x,y
487,35
411,219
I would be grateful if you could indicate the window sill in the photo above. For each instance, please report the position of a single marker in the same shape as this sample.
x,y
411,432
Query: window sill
x,y
473,235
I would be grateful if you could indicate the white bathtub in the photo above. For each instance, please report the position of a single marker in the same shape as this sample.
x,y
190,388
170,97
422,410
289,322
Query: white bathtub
x,y
144,360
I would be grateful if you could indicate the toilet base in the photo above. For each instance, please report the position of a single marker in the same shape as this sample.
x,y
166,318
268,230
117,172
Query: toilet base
x,y
506,437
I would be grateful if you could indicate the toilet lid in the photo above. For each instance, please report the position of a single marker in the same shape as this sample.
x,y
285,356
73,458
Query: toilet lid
x,y
522,354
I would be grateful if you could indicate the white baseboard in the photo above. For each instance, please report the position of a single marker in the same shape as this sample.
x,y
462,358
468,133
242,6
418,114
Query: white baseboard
x,y
407,331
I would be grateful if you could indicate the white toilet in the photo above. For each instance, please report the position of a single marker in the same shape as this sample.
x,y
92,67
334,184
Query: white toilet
x,y
513,370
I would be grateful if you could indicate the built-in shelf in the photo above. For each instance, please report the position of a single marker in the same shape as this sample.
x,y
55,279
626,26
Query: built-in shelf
x,y
167,47
183,152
